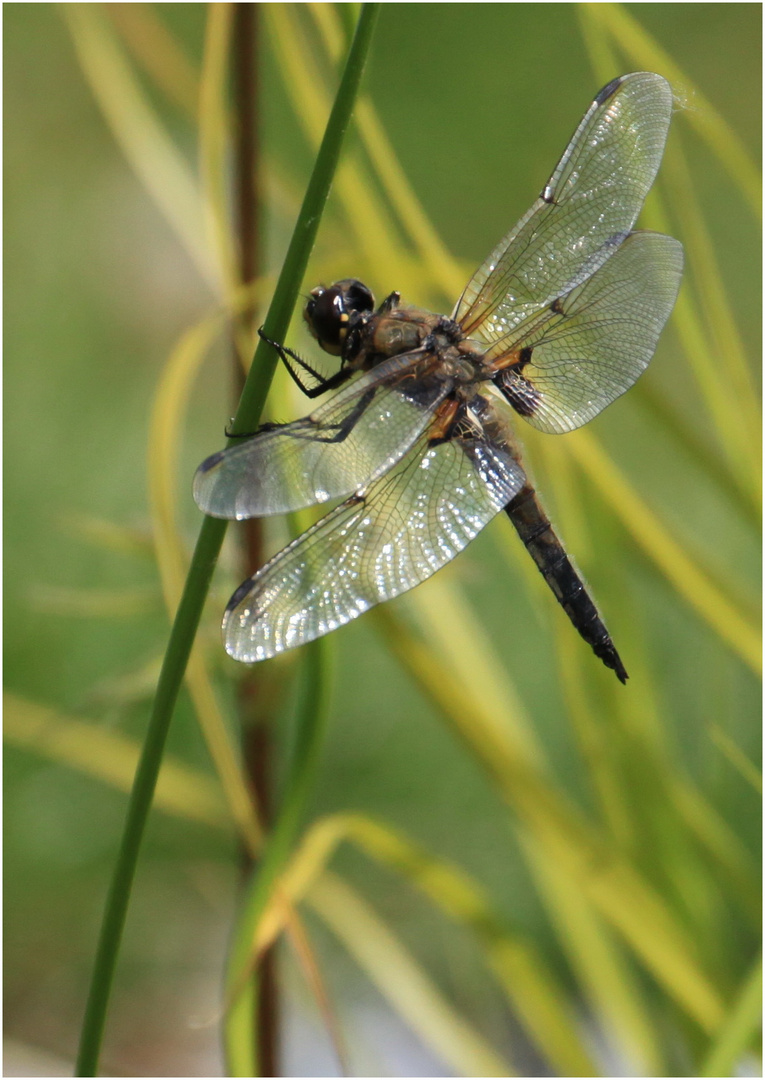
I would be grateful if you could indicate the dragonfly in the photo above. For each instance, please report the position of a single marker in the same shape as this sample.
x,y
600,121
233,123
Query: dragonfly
x,y
416,446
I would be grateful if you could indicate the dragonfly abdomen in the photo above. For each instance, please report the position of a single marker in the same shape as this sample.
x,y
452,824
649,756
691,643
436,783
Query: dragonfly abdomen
x,y
534,528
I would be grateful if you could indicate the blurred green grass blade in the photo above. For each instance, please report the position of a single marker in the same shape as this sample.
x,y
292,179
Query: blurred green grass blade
x,y
699,449
368,220
165,435
158,52
463,645
739,871
598,43
450,1037
680,187
602,973
646,723
214,141
643,917
736,757
719,343
644,52
437,262
731,420
109,535
490,735
533,990
598,748
241,1051
111,758
739,1030
618,890
535,994
591,726
138,132
690,583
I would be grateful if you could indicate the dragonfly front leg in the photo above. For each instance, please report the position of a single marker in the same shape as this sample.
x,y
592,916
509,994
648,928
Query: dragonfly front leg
x,y
324,384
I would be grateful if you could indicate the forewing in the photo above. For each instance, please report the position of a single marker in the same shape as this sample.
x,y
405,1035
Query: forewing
x,y
588,206
593,344
376,545
353,438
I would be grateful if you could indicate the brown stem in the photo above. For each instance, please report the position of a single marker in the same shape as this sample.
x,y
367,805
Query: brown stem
x,y
255,740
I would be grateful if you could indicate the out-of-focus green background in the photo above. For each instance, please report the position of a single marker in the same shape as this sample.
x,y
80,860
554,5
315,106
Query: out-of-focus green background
x,y
478,102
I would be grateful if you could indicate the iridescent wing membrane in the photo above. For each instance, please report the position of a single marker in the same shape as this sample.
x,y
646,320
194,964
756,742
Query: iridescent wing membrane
x,y
571,298
381,542
576,356
354,437
567,311
585,211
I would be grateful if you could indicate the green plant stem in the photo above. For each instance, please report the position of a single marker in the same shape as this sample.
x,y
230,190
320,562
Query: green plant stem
x,y
204,559
174,665
242,992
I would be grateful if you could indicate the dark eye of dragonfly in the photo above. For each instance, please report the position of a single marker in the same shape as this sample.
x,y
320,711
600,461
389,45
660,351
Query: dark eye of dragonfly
x,y
328,311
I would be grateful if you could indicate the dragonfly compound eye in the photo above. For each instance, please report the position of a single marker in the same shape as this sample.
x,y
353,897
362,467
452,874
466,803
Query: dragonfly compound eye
x,y
328,311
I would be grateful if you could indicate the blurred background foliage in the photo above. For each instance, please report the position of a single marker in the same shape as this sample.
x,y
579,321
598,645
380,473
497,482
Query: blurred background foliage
x,y
513,865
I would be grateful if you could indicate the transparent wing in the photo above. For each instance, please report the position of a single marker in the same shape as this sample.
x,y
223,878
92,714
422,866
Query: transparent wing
x,y
350,440
588,206
379,543
590,346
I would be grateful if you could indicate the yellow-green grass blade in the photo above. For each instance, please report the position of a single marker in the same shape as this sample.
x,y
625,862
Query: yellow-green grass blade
x,y
109,535
92,603
740,1029
536,996
733,423
214,144
148,149
165,430
442,268
111,758
645,528
602,972
158,52
737,758
375,235
609,881
402,981
714,303
464,645
737,416
645,53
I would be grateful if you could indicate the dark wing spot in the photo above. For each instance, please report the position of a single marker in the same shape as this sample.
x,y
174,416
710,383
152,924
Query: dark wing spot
x,y
524,358
212,461
557,306
239,595
608,91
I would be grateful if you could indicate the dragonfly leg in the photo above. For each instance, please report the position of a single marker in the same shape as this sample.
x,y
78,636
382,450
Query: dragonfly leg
x,y
324,384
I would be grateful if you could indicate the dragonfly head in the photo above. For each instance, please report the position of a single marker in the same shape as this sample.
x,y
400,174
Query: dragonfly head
x,y
329,312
